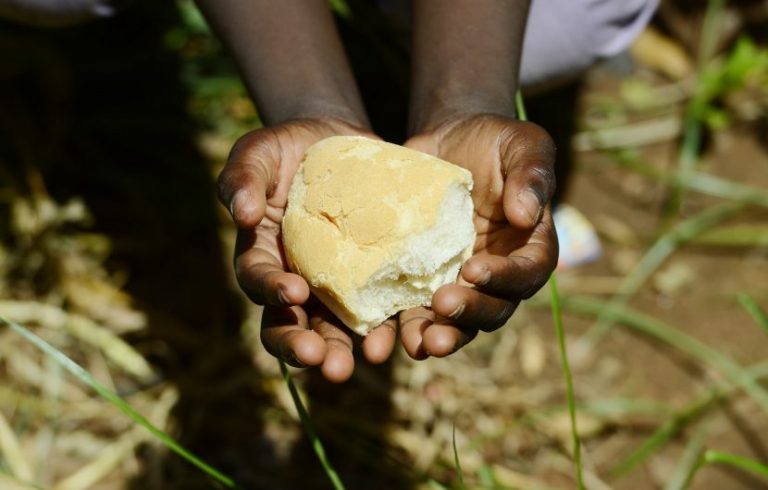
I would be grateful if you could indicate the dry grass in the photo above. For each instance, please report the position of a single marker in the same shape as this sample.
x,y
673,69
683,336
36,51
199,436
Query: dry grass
x,y
499,403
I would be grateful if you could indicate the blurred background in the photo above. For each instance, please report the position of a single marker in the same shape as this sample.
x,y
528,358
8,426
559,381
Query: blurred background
x,y
114,250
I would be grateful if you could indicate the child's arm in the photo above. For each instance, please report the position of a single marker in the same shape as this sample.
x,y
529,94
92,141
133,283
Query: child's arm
x,y
293,64
290,56
465,66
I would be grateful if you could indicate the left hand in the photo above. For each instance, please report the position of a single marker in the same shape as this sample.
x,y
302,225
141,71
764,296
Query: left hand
x,y
512,163
254,187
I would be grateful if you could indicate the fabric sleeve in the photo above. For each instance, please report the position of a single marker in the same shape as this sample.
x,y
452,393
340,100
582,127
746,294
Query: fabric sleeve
x,y
565,37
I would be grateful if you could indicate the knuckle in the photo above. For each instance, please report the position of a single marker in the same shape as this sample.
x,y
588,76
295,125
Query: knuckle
x,y
544,176
539,275
339,342
246,161
528,147
499,317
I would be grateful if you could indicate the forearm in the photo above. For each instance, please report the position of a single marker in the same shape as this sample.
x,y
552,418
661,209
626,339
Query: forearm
x,y
466,57
290,56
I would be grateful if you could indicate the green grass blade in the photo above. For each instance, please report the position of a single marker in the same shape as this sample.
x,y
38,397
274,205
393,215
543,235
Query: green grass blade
x,y
692,119
664,434
558,319
457,460
617,407
659,330
436,485
522,114
725,189
341,8
10,479
695,461
676,424
560,331
734,236
665,246
754,309
716,457
317,445
690,463
81,374
487,478
701,182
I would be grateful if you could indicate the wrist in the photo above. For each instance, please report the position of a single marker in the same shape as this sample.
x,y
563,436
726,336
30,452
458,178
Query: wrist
x,y
443,106
465,59
317,109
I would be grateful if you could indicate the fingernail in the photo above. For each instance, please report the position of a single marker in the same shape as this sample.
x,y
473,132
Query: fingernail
x,y
531,203
458,311
484,277
292,359
237,205
282,295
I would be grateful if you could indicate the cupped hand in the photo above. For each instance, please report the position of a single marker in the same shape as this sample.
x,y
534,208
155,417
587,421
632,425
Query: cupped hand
x,y
512,163
254,187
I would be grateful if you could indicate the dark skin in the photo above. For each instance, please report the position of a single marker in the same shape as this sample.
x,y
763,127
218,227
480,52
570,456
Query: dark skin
x,y
516,246
466,55
465,68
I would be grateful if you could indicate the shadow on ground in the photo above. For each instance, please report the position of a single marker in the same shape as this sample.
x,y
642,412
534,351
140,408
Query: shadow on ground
x,y
98,112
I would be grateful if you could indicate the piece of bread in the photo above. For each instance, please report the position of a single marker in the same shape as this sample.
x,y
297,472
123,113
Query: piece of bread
x,y
376,228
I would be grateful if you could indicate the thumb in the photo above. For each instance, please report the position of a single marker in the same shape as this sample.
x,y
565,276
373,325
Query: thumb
x,y
528,161
246,181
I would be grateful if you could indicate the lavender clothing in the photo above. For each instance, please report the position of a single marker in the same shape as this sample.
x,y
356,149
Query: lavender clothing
x,y
52,13
562,39
565,37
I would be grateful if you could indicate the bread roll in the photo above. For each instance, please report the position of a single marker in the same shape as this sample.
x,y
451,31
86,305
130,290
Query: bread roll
x,y
376,228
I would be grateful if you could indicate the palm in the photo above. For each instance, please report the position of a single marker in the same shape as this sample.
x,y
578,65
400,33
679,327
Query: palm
x,y
255,186
511,163
482,158
283,148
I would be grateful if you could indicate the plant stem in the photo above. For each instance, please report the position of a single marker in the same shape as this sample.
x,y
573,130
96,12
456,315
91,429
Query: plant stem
x,y
704,183
692,128
690,463
558,319
754,309
678,422
317,445
712,457
659,330
457,461
665,246
83,375
663,434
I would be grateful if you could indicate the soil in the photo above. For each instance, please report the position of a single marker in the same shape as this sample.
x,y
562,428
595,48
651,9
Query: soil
x,y
108,122
704,306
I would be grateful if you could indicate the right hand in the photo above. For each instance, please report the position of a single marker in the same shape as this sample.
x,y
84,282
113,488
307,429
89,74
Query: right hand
x,y
254,187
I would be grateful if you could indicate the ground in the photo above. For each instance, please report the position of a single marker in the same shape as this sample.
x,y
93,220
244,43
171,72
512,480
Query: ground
x,y
112,239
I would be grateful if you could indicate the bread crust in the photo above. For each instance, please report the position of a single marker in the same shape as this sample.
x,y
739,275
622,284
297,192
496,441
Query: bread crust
x,y
352,206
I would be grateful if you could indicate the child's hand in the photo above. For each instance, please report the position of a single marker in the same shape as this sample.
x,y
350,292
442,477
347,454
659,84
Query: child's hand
x,y
254,187
516,248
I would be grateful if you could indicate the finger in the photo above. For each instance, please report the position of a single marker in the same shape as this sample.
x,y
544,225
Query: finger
x,y
262,278
380,342
424,143
528,161
339,362
520,274
470,309
247,179
442,339
413,323
285,335
423,334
